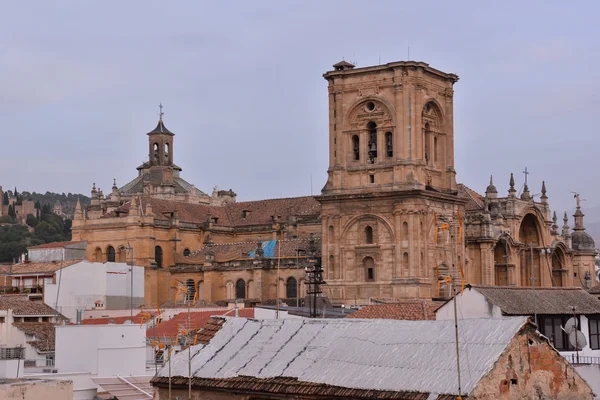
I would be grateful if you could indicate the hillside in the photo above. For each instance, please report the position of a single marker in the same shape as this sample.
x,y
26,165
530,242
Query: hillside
x,y
68,201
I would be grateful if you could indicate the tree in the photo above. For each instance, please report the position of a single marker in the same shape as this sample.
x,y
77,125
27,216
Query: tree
x,y
11,211
37,205
7,219
16,194
67,226
5,198
32,221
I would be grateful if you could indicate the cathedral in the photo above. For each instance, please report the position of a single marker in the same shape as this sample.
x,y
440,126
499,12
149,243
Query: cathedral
x,y
391,220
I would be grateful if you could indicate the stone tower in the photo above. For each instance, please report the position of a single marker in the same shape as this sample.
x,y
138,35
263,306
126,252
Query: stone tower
x,y
160,142
391,183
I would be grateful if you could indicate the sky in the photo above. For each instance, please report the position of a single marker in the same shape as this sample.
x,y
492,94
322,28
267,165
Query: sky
x,y
242,88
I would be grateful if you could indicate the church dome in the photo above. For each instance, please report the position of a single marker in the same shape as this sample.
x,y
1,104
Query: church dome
x,y
582,241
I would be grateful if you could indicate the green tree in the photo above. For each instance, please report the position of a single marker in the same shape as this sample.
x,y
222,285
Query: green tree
x,y
32,220
11,211
7,219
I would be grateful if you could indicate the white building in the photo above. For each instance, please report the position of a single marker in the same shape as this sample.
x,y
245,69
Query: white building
x,y
57,251
87,285
550,307
27,324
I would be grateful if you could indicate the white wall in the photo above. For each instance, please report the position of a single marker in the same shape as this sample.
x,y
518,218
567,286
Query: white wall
x,y
119,285
102,350
84,283
470,304
266,313
10,368
83,386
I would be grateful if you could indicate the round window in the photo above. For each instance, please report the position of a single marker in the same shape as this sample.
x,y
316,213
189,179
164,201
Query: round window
x,y
370,106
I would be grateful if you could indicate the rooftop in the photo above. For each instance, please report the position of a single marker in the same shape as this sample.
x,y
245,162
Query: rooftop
x,y
43,333
382,357
53,245
21,305
36,268
413,310
525,301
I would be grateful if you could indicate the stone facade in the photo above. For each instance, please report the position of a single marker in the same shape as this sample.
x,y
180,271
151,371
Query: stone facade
x,y
21,210
391,220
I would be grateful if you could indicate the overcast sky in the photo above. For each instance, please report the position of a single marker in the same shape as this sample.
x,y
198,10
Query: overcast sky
x,y
242,87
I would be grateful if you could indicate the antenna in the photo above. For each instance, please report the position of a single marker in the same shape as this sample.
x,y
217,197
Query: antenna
x,y
311,193
408,54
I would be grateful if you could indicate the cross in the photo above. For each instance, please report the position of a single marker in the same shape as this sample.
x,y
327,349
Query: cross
x,y
161,113
526,173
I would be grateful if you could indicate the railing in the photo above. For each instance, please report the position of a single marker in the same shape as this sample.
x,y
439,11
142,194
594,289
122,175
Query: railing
x,y
573,359
12,353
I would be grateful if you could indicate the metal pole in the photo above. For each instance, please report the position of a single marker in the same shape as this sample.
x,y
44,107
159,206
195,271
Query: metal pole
x,y
533,283
189,356
277,286
170,350
453,291
576,338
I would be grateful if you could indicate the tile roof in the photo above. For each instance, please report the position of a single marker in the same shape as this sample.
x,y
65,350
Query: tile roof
x,y
36,268
247,250
476,201
381,356
21,305
43,333
171,328
520,300
414,310
53,245
232,215
595,289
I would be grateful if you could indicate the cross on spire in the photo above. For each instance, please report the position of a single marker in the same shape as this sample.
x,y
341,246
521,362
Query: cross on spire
x,y
526,173
161,113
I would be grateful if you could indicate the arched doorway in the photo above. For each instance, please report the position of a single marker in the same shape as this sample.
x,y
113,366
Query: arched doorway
x,y
558,267
369,266
98,254
530,253
240,289
501,263
291,290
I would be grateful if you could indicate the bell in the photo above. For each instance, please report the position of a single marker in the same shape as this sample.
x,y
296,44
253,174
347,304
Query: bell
x,y
373,150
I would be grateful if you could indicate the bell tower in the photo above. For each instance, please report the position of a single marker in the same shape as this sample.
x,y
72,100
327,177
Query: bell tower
x,y
391,179
160,142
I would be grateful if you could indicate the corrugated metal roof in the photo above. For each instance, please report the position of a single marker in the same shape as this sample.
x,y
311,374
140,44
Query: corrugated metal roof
x,y
382,355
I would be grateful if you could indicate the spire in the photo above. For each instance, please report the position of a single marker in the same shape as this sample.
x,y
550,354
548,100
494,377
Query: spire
x,y
512,192
491,191
554,228
525,195
94,191
578,215
544,198
565,229
78,210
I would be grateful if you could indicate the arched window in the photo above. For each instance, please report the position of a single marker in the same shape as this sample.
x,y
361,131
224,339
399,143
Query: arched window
x,y
191,289
110,254
530,259
435,150
167,153
368,235
501,263
240,289
331,234
291,290
426,140
356,147
372,128
389,144
98,254
155,154
369,265
557,267
431,120
158,256
186,252
405,263
405,229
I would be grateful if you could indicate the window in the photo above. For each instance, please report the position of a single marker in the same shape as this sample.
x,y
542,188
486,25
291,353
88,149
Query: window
x,y
368,235
98,254
191,289
2,320
356,147
551,327
594,324
389,144
240,289
155,146
331,234
371,178
158,256
186,252
405,229
435,150
332,267
110,254
291,290
369,265
372,128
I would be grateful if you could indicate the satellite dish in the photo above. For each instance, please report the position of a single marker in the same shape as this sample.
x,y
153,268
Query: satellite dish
x,y
577,339
570,326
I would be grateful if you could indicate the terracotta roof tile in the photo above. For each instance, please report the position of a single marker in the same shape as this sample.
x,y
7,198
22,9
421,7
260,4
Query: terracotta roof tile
x,y
43,333
137,319
53,245
247,250
198,319
595,289
21,305
413,310
36,268
476,201
519,300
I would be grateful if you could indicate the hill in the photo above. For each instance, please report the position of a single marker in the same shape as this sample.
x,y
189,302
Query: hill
x,y
68,201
